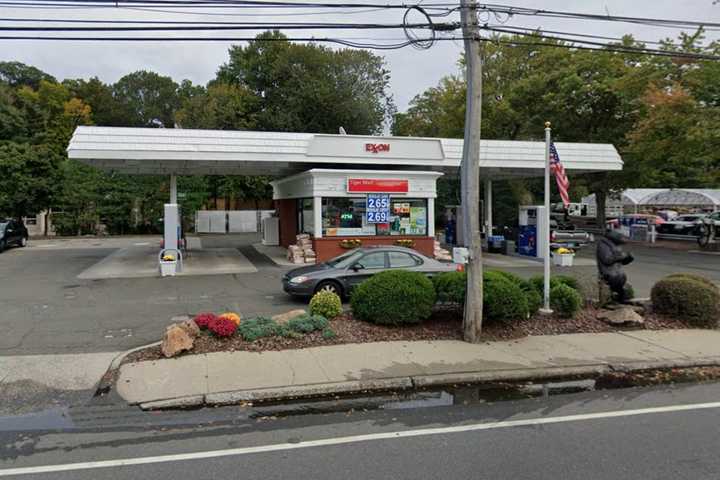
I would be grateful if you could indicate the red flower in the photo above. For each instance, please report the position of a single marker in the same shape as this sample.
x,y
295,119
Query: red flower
x,y
203,320
222,327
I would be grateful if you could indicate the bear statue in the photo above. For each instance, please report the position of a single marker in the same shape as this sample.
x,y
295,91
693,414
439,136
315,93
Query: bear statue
x,y
610,260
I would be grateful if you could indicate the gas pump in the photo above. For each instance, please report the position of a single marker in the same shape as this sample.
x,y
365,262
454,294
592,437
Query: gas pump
x,y
170,257
534,234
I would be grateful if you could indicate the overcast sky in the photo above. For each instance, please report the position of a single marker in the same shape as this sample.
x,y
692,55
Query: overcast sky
x,y
412,70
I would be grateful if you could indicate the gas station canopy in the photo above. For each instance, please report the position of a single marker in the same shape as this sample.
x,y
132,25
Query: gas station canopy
x,y
226,152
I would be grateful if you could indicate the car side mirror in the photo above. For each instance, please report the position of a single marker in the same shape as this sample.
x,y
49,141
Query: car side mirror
x,y
357,266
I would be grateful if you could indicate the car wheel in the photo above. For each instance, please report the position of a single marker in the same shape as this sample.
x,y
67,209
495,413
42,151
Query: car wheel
x,y
2,246
23,242
329,286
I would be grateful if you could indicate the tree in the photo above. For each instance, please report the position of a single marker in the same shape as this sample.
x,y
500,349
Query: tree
x,y
28,178
309,88
16,74
146,98
222,106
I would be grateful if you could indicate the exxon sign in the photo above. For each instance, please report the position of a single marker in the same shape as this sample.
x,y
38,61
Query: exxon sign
x,y
377,147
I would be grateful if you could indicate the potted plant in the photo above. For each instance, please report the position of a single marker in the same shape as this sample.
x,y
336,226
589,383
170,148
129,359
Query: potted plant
x,y
168,264
563,257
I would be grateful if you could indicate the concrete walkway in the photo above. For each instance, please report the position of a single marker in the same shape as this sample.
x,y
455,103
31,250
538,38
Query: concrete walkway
x,y
229,377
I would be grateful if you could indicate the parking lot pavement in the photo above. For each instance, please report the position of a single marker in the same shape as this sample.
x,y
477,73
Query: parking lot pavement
x,y
47,309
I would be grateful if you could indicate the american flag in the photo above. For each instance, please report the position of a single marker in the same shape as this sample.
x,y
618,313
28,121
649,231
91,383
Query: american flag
x,y
556,167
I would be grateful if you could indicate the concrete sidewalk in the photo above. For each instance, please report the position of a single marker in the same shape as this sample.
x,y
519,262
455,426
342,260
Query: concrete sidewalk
x,y
229,377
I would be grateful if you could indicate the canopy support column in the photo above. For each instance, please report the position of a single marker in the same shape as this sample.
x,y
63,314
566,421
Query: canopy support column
x,y
488,208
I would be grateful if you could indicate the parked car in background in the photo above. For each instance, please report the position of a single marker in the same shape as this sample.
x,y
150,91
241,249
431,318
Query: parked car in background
x,y
343,273
12,233
686,224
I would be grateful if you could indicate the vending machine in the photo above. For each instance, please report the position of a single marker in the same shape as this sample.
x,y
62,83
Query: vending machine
x,y
534,234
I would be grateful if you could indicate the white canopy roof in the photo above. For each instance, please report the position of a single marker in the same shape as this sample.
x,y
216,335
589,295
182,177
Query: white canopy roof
x,y
664,197
686,197
226,152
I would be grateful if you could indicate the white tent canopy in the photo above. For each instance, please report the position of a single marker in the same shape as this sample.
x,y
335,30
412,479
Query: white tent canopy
x,y
225,152
663,197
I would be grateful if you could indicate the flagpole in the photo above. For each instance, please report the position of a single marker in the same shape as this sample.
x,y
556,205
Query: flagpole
x,y
546,254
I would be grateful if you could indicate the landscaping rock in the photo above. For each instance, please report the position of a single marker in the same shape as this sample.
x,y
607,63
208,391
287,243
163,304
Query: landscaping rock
x,y
190,327
283,318
622,317
176,340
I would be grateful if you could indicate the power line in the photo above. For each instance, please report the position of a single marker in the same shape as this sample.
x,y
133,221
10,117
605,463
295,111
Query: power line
x,y
663,22
237,26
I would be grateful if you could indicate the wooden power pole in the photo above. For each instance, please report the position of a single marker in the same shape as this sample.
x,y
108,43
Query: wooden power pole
x,y
470,172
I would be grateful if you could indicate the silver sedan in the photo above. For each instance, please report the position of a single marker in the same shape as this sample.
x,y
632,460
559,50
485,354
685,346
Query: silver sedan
x,y
343,273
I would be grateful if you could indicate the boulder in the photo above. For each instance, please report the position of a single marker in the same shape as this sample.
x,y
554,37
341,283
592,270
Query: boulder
x,y
622,317
190,327
176,340
283,318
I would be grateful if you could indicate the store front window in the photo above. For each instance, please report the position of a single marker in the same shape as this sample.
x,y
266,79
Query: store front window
x,y
343,217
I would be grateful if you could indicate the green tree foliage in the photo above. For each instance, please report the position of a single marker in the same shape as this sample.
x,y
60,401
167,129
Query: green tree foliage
x,y
146,98
310,88
27,178
222,106
16,74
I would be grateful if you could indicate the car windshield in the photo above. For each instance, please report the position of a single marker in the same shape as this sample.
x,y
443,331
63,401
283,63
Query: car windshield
x,y
345,259
3,225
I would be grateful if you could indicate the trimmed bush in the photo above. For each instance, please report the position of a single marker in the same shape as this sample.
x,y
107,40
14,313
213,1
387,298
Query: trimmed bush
x,y
697,278
565,300
231,316
394,297
503,300
534,300
688,299
510,276
327,304
450,287
307,323
259,327
555,280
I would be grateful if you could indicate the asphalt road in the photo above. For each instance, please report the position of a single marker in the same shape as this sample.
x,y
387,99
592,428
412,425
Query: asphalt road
x,y
650,433
46,309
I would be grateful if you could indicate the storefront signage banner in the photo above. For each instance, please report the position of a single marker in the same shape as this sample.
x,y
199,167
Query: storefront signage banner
x,y
378,208
370,185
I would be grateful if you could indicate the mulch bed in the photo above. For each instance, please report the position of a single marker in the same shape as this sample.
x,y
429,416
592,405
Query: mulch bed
x,y
443,325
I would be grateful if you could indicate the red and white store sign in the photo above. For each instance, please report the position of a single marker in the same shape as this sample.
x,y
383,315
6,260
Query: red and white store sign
x,y
377,147
366,185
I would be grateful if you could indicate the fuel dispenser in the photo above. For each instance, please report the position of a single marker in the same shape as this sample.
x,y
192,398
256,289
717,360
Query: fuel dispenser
x,y
534,234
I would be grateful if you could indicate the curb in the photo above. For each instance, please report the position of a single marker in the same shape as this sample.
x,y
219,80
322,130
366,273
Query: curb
x,y
280,394
115,363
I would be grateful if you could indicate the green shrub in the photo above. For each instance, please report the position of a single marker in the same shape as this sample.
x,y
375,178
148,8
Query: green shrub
x,y
450,287
509,276
697,278
328,334
534,300
537,282
327,304
565,300
259,327
503,300
688,299
394,298
307,323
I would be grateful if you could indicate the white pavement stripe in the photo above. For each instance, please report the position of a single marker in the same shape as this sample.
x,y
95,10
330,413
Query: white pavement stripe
x,y
125,462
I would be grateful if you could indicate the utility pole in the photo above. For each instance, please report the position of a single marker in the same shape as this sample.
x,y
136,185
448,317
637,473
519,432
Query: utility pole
x,y
470,172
